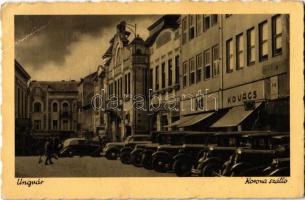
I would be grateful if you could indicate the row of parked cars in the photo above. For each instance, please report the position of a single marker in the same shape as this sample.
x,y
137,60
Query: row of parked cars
x,y
206,153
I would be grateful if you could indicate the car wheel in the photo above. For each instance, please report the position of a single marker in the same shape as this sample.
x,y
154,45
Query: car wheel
x,y
70,153
136,158
125,157
183,167
147,161
209,170
161,164
111,154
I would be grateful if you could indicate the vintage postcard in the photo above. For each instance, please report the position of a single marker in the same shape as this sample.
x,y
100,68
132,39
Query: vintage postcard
x,y
153,100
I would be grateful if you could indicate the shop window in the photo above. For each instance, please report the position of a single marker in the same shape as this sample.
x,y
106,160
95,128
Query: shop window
x,y
184,30
55,107
198,67
263,41
192,71
157,78
277,35
185,70
65,125
37,107
207,64
250,46
163,75
128,83
170,72
191,27
177,63
216,62
229,55
125,83
239,51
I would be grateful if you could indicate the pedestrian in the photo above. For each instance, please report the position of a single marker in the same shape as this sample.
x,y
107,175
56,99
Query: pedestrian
x,y
55,150
48,151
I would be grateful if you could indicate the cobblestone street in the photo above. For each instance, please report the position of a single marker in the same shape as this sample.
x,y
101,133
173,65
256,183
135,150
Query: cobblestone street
x,y
80,167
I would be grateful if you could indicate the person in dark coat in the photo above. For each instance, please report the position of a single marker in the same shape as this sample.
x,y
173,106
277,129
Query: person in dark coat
x,y
48,151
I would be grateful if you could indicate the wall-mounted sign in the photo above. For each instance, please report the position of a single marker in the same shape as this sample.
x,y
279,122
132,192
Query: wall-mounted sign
x,y
237,96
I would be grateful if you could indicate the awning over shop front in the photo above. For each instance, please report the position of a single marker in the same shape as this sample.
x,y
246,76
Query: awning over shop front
x,y
234,116
195,119
180,121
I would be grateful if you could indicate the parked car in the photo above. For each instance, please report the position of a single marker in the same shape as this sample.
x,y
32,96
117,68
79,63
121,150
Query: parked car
x,y
181,157
278,167
112,149
265,148
79,147
172,138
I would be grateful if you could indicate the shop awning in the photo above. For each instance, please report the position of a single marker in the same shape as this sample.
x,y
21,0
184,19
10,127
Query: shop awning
x,y
196,119
180,121
234,116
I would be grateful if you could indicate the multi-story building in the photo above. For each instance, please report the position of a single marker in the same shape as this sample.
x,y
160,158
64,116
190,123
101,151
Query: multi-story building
x,y
164,60
22,122
86,114
126,77
53,108
240,63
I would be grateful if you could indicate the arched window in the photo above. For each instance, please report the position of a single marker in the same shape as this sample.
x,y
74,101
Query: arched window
x,y
65,107
55,107
37,107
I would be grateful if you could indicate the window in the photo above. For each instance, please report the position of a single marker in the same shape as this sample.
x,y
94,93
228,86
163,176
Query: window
x,y
191,27
206,22
250,46
276,35
121,87
263,41
157,78
214,19
170,72
207,64
150,78
185,71
192,71
37,107
228,15
65,125
125,83
128,83
198,24
229,55
163,75
37,124
55,107
55,124
65,107
177,69
198,67
216,62
239,51
184,30
115,88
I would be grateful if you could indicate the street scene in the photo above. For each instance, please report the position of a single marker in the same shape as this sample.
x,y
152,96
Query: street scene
x,y
203,95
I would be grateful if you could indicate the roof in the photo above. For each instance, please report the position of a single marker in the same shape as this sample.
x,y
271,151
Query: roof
x,y
22,70
57,85
169,21
137,40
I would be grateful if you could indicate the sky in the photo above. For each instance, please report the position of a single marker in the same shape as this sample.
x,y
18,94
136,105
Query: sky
x,y
68,47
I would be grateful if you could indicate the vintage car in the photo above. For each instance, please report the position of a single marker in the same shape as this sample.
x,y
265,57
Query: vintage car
x,y
79,147
181,156
171,138
265,149
278,167
112,149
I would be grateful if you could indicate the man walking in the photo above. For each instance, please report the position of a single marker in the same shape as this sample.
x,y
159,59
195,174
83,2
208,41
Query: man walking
x,y
48,151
